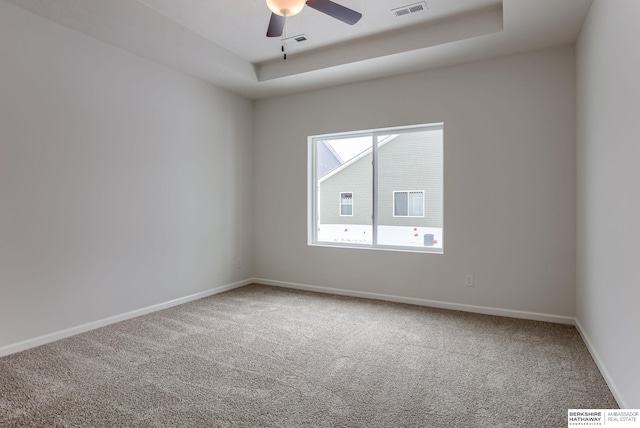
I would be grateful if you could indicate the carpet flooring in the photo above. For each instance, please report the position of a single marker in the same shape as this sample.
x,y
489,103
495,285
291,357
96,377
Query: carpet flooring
x,y
263,356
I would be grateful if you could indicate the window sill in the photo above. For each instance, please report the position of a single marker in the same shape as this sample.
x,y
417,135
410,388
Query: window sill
x,y
352,246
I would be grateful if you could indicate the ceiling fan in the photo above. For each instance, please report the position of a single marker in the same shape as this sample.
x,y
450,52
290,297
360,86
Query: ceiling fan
x,y
282,9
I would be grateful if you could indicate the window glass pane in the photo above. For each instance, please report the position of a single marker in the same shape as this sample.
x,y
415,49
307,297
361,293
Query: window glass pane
x,y
410,188
344,186
416,204
346,203
390,179
401,204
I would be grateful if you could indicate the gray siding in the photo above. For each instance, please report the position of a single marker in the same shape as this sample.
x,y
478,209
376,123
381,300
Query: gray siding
x,y
410,162
356,178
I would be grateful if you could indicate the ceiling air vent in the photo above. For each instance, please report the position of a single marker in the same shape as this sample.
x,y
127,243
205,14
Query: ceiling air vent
x,y
408,10
296,39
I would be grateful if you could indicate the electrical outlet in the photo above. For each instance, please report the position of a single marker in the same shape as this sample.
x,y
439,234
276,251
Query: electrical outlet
x,y
468,280
238,264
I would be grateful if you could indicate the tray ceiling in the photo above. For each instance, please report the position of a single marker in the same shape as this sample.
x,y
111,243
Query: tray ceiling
x,y
224,41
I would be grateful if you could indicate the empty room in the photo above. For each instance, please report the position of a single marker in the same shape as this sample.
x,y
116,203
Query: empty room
x,y
210,215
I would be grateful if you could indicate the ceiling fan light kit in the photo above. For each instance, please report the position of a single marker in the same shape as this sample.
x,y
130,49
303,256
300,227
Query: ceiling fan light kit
x,y
281,9
285,7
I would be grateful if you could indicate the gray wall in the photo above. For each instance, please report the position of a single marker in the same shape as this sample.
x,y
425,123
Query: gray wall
x,y
608,290
509,184
123,184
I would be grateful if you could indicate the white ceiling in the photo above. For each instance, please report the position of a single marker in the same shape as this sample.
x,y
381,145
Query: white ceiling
x,y
224,41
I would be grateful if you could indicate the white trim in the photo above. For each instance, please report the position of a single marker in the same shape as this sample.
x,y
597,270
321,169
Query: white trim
x,y
375,198
400,249
603,369
312,191
382,131
313,183
535,316
62,334
408,192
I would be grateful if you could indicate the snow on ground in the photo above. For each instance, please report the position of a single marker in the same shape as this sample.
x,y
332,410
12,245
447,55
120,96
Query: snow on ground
x,y
399,236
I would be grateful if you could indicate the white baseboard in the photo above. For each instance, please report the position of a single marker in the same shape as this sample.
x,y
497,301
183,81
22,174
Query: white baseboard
x,y
603,369
558,319
52,337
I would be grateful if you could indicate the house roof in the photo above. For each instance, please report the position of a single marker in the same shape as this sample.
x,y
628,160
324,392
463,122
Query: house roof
x,y
355,159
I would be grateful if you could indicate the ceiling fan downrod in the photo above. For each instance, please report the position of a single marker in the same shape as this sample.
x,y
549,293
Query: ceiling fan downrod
x,y
281,9
284,37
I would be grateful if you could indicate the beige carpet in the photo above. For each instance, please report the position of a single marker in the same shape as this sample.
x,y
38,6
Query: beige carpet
x,y
265,356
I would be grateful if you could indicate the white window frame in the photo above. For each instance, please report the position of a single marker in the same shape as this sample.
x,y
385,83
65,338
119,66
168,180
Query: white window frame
x,y
313,197
408,192
340,205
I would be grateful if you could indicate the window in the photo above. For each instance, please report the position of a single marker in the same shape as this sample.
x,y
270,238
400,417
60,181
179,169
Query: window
x,y
397,174
346,203
408,204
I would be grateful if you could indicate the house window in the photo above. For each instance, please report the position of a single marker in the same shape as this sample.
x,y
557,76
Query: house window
x,y
382,166
408,203
346,203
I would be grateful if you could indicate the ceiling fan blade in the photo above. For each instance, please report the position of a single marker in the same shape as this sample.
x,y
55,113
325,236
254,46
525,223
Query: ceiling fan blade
x,y
276,26
335,10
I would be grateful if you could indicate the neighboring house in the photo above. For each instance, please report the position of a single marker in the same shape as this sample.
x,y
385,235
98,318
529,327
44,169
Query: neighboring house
x,y
328,159
409,184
